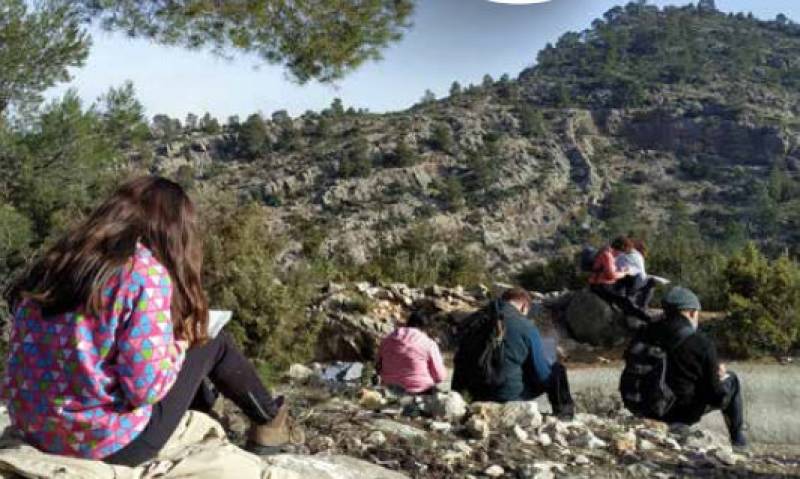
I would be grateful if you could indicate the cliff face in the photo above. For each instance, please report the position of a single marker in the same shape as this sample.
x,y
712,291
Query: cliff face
x,y
684,104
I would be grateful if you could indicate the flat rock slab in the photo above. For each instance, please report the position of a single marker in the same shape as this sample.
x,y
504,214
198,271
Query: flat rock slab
x,y
291,466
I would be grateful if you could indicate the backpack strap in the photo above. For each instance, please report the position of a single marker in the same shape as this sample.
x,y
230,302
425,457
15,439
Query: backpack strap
x,y
499,321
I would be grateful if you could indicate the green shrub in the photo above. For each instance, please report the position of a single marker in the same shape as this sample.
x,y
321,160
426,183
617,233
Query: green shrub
x,y
531,121
404,155
424,257
442,138
253,138
763,304
271,321
356,160
555,275
451,193
358,304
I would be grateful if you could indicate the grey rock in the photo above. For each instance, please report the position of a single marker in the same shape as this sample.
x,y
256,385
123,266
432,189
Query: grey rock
x,y
582,460
520,413
592,320
477,428
395,428
494,471
327,467
299,372
375,438
450,406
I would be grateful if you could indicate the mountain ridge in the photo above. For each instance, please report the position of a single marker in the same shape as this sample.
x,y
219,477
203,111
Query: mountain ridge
x,y
646,105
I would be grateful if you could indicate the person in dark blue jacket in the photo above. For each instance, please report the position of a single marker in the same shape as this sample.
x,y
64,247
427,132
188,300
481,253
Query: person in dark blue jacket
x,y
526,369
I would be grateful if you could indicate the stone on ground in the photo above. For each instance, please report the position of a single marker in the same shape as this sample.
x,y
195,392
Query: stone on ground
x,y
450,406
395,428
290,466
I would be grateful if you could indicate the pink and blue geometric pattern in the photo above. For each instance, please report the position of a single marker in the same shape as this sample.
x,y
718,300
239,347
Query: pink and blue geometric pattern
x,y
84,386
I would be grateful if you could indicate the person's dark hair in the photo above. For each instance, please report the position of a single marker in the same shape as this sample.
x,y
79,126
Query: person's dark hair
x,y
151,210
640,246
516,295
622,243
417,320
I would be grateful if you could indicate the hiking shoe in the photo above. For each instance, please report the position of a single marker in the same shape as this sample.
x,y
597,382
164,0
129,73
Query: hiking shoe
x,y
739,441
276,436
566,413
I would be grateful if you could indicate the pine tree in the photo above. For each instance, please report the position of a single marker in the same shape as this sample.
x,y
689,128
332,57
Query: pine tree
x,y
404,155
38,46
253,139
428,97
455,89
308,38
442,138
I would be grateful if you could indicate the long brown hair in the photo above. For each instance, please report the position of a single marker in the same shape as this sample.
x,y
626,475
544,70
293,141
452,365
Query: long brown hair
x,y
151,210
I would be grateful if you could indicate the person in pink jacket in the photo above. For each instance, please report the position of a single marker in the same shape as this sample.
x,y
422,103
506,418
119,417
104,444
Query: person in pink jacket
x,y
410,359
109,340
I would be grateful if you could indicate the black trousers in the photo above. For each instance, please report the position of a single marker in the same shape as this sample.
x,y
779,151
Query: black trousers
x,y
557,390
642,296
732,408
229,371
616,294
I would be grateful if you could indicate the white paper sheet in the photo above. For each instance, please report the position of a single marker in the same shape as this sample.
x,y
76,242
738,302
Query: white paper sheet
x,y
217,319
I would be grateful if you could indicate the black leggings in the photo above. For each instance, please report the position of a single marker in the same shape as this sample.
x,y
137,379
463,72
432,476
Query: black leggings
x,y
643,295
616,294
557,389
229,371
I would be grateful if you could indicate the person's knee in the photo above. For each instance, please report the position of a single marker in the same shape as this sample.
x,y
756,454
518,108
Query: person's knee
x,y
732,378
734,382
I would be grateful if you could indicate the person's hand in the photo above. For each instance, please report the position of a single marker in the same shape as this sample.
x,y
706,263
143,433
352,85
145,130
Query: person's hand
x,y
723,371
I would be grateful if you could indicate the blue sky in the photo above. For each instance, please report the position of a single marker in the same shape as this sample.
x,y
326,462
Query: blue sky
x,y
451,40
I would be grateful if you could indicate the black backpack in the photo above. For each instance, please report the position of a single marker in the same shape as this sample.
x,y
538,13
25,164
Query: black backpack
x,y
643,384
480,356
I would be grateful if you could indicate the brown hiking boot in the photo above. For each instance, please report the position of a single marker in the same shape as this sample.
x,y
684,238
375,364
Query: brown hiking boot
x,y
274,436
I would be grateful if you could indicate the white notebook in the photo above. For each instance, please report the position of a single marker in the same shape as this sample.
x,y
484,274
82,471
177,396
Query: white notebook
x,y
217,319
659,279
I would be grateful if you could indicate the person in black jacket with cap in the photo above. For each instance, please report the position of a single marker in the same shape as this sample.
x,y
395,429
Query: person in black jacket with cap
x,y
700,382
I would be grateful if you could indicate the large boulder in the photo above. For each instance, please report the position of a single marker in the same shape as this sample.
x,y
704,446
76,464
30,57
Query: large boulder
x,y
590,319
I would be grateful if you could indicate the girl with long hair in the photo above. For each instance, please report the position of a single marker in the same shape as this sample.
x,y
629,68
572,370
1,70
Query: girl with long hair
x,y
109,343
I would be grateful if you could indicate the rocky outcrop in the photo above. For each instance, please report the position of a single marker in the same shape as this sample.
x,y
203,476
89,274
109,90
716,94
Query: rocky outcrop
x,y
707,135
591,320
358,316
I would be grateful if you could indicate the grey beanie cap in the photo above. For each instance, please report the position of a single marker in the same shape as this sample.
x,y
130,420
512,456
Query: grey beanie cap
x,y
680,298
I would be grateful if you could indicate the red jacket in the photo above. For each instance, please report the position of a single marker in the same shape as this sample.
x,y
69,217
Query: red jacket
x,y
605,268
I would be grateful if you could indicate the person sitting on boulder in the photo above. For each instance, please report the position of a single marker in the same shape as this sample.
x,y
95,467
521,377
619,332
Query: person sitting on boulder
x,y
109,340
501,357
409,359
638,286
612,283
698,381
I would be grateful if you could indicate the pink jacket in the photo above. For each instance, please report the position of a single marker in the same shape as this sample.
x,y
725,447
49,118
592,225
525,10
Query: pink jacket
x,y
84,386
411,359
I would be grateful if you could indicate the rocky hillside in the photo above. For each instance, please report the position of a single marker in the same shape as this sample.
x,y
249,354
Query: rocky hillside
x,y
611,129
